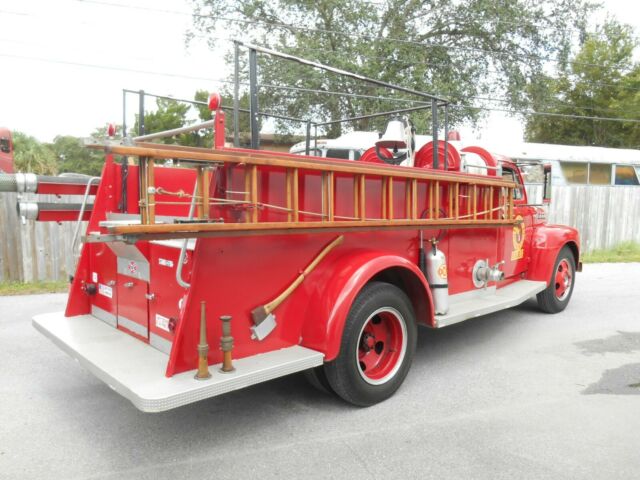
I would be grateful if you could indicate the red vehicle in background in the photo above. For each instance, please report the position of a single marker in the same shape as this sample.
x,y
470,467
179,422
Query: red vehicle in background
x,y
6,151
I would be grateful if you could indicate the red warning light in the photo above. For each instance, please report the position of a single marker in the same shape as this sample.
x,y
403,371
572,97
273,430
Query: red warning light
x,y
215,101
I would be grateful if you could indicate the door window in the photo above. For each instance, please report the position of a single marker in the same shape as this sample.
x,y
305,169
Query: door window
x,y
510,175
5,145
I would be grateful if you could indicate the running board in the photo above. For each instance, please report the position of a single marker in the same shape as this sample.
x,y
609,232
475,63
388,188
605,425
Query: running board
x,y
137,371
481,302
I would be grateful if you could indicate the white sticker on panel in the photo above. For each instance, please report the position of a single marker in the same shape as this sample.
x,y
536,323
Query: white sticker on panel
x,y
162,322
105,290
165,262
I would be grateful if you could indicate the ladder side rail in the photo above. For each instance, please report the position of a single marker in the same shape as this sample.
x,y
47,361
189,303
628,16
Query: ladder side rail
x,y
216,156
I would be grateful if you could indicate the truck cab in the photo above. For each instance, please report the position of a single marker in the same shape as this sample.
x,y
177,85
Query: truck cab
x,y
6,151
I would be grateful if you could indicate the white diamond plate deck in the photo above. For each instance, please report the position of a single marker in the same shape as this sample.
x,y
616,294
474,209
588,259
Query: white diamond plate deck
x,y
137,371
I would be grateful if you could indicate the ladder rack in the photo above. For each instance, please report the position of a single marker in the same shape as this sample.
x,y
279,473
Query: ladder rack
x,y
431,198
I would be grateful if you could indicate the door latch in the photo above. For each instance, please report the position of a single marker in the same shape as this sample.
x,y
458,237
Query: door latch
x,y
128,285
150,296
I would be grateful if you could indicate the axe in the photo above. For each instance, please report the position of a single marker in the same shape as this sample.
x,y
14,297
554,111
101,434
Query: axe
x,y
263,317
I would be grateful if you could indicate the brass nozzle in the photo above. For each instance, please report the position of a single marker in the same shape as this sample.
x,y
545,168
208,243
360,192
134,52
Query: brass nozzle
x,y
226,344
203,347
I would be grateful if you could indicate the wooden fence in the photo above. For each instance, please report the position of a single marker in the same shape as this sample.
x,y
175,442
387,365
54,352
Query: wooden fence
x,y
34,250
604,215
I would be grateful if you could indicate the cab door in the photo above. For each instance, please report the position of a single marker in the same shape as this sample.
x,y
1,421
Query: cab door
x,y
515,242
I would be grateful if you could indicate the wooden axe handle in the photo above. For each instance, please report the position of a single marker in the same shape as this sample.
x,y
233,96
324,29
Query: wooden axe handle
x,y
272,305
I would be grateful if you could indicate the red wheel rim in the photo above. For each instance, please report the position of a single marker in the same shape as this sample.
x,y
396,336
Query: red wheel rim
x,y
382,345
563,279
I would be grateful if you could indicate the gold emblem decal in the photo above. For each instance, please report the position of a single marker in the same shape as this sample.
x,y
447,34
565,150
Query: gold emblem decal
x,y
518,240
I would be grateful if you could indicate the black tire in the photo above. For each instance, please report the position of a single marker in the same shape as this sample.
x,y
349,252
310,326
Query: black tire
x,y
317,377
549,300
387,343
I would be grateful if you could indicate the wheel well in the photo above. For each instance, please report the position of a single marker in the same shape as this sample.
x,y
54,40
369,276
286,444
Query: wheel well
x,y
409,283
574,249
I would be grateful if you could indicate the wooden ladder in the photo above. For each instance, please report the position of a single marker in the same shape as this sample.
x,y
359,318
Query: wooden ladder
x,y
432,198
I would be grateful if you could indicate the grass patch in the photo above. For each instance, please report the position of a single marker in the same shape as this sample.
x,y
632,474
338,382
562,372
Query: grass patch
x,y
624,252
20,288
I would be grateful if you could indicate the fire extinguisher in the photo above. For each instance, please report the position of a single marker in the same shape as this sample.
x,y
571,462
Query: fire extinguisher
x,y
434,265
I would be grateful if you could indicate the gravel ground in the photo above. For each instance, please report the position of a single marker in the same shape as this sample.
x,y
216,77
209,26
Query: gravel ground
x,y
517,394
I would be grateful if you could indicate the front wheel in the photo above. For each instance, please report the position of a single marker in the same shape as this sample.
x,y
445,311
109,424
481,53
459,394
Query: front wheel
x,y
555,297
377,347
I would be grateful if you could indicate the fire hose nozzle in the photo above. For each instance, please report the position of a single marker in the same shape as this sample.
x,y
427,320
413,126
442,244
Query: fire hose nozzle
x,y
226,345
203,347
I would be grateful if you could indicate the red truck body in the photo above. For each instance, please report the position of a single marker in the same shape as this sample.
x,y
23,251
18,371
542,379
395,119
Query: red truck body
x,y
133,288
236,273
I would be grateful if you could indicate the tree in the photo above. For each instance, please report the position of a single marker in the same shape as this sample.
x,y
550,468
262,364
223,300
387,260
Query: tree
x,y
169,114
600,81
32,156
461,50
73,156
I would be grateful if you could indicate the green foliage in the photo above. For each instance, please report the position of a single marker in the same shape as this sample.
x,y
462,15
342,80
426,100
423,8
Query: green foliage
x,y
73,156
168,115
457,49
623,252
31,288
602,81
32,156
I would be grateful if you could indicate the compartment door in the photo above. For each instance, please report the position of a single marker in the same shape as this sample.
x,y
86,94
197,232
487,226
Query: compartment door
x,y
133,302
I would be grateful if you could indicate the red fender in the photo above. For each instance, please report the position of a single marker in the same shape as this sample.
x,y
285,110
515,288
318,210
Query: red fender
x,y
546,243
424,157
328,309
488,158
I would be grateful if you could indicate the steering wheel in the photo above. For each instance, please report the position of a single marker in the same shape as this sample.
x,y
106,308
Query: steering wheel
x,y
393,159
376,155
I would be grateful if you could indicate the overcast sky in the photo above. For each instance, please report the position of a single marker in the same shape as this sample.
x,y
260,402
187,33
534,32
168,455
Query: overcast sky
x,y
45,92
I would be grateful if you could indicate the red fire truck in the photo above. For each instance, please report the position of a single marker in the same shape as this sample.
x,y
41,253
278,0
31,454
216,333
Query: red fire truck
x,y
6,151
228,267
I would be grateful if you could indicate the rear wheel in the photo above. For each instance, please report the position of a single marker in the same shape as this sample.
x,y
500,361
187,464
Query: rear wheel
x,y
318,379
377,347
556,296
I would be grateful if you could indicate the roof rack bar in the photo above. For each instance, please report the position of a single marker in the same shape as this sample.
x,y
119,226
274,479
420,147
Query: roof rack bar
x,y
338,71
374,115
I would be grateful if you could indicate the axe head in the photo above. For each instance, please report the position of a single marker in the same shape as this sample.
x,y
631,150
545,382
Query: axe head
x,y
264,328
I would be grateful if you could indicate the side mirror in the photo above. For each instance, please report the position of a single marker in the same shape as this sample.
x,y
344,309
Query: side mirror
x,y
546,195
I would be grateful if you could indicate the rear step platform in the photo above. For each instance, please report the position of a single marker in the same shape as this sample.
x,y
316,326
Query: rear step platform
x,y
483,301
137,371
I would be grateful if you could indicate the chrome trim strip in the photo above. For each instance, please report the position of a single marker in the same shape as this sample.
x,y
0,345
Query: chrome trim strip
x,y
160,343
133,326
107,317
